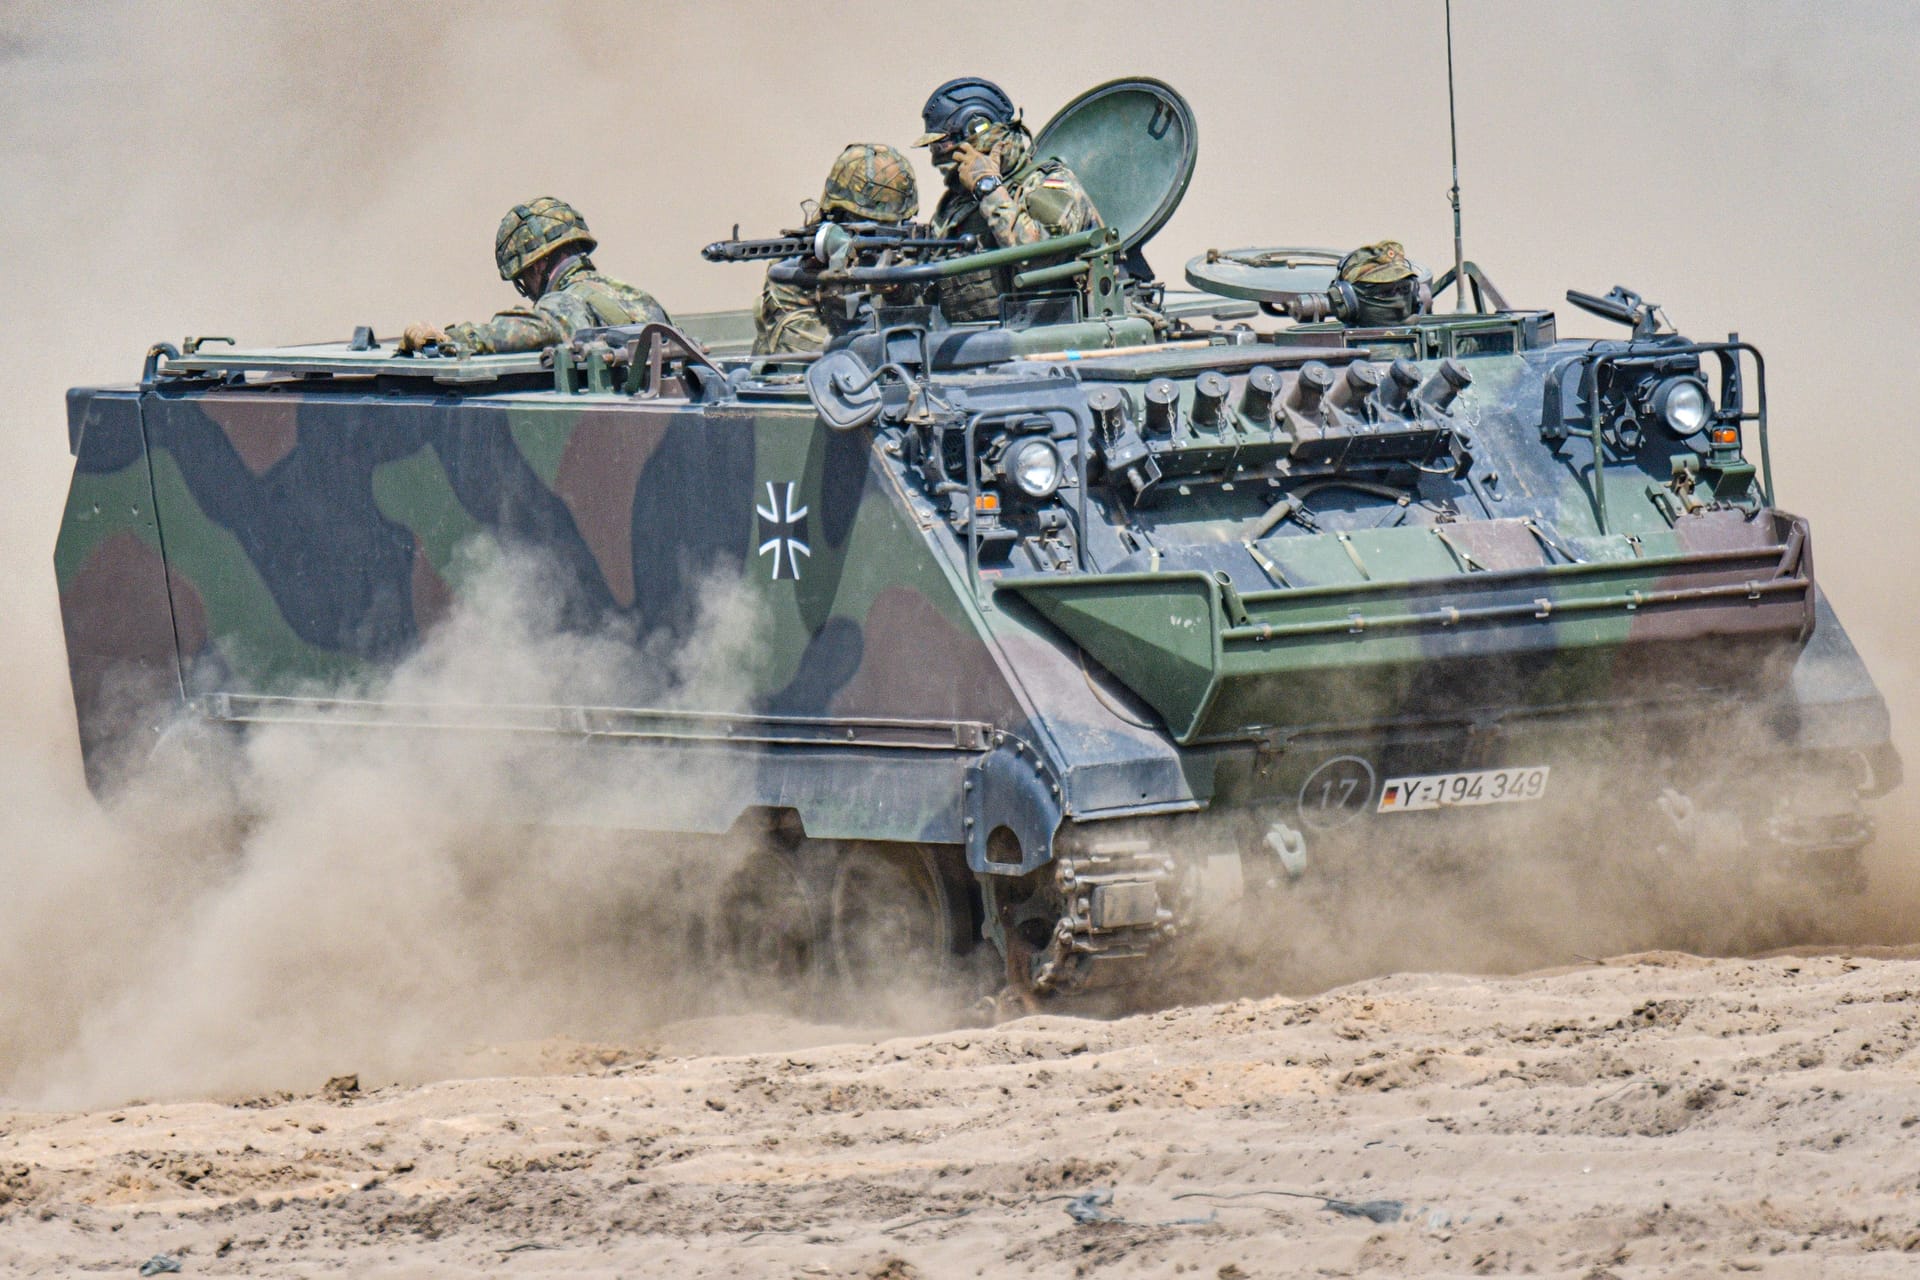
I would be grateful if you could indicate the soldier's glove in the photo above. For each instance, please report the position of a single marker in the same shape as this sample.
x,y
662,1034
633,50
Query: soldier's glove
x,y
421,336
973,165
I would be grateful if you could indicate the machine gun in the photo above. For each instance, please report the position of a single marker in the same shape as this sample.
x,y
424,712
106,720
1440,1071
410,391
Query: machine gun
x,y
1086,258
838,243
1622,306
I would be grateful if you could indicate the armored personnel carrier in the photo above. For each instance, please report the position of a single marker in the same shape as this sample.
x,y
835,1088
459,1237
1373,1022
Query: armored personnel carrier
x,y
1068,620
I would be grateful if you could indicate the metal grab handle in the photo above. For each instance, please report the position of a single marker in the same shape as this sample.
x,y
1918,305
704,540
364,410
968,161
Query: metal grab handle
x,y
1487,299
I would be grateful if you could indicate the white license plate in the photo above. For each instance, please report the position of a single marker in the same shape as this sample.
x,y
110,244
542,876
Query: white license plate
x,y
1448,790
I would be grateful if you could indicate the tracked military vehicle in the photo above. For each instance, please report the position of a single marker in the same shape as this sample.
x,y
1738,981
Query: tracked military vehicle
x,y
1065,619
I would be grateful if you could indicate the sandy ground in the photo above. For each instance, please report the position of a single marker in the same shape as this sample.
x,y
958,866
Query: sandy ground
x,y
1658,1115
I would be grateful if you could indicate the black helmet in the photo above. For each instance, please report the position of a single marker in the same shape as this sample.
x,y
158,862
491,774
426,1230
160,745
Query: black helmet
x,y
959,106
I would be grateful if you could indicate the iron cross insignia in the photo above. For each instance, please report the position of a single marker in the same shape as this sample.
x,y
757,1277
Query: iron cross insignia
x,y
783,529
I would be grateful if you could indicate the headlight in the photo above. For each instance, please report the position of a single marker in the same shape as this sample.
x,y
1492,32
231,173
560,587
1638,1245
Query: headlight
x,y
1034,465
1682,404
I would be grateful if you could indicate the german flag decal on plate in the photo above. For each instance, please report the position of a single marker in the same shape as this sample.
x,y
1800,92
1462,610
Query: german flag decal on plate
x,y
1450,790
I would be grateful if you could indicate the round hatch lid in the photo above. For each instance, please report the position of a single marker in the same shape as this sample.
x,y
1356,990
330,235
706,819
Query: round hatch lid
x,y
1264,275
1132,143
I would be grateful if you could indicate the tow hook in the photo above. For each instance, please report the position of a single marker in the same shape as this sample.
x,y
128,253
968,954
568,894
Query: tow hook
x,y
1290,847
1679,809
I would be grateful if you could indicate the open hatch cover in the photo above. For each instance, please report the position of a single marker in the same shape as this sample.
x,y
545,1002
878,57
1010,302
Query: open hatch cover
x,y
1274,276
1132,143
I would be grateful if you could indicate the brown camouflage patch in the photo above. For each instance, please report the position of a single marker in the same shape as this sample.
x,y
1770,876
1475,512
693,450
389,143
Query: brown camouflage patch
x,y
117,603
598,477
432,597
261,432
190,628
914,661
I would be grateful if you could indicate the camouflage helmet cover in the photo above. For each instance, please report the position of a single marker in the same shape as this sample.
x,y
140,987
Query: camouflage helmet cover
x,y
1386,287
871,181
535,229
1381,263
962,104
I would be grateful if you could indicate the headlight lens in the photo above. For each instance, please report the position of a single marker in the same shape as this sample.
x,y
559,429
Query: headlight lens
x,y
1035,467
1682,404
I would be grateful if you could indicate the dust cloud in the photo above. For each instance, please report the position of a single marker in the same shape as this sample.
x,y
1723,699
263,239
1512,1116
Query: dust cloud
x,y
282,176
1514,893
327,897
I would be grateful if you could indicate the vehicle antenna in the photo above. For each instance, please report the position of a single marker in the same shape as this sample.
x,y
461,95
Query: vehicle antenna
x,y
1453,135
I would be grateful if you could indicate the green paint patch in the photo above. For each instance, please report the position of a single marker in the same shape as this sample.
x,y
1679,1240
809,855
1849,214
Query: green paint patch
x,y
244,620
98,507
415,492
541,441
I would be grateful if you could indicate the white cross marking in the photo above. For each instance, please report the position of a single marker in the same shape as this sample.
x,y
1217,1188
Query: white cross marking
x,y
783,539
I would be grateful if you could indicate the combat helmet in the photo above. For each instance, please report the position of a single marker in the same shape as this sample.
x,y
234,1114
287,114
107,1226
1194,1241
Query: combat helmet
x,y
535,229
1381,263
1385,286
871,182
961,106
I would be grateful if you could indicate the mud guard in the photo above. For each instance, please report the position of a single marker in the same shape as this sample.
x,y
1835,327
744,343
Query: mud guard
x,y
1011,790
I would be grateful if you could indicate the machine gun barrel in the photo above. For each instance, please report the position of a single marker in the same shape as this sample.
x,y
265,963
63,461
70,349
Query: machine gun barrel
x,y
769,250
842,239
1610,307
927,272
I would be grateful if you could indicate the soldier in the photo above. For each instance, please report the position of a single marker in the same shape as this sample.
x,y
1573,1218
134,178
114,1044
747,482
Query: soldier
x,y
1387,288
542,246
997,188
870,182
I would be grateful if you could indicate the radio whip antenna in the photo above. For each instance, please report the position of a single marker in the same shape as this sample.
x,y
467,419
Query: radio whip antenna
x,y
1453,136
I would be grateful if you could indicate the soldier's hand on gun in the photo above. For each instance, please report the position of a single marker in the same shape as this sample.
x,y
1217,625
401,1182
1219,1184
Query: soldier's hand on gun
x,y
421,336
974,164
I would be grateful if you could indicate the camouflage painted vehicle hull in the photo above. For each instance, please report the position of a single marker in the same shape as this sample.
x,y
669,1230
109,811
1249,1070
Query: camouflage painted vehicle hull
x,y
1055,720
1068,628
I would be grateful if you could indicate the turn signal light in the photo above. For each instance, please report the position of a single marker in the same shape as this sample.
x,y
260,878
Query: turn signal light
x,y
986,502
1726,435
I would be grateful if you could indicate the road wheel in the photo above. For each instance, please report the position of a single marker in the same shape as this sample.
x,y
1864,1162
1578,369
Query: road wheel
x,y
893,908
770,921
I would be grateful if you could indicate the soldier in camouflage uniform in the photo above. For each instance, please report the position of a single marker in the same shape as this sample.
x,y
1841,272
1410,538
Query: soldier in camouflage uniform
x,y
1387,287
870,182
997,188
542,247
